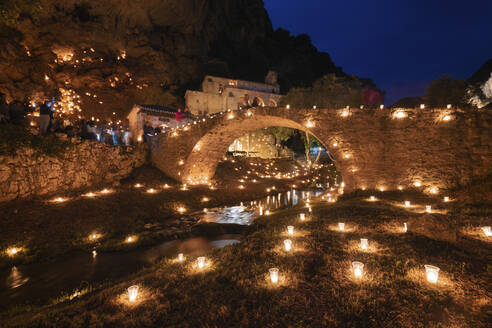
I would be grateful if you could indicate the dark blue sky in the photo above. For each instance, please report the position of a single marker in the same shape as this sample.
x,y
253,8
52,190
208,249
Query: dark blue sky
x,y
401,44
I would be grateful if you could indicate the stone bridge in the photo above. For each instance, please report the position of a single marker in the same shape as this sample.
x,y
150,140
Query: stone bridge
x,y
382,148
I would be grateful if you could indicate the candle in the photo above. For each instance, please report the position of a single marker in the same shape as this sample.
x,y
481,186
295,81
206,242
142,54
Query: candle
x,y
358,268
373,198
405,227
288,244
290,230
132,293
487,231
363,243
129,239
407,203
341,226
428,208
261,210
180,257
446,199
201,262
302,216
432,273
273,275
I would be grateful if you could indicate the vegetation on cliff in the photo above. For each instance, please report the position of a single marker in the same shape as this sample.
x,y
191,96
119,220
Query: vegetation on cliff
x,y
106,56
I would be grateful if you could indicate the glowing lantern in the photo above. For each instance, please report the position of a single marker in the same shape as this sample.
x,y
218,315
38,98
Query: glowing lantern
x,y
181,210
341,226
400,114
448,106
94,236
422,106
446,199
94,253
417,183
180,257
381,106
407,203
309,124
288,244
288,106
358,268
346,155
487,231
267,212
205,199
433,190
432,273
364,243
132,293
201,262
428,208
12,251
290,230
400,188
129,239
447,118
405,228
345,113
302,216
230,116
273,275
139,139
373,198
181,162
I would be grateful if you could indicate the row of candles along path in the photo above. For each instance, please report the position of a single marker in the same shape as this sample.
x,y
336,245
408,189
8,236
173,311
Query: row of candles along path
x,y
431,271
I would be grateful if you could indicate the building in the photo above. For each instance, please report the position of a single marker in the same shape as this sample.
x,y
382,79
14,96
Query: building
x,y
155,116
220,94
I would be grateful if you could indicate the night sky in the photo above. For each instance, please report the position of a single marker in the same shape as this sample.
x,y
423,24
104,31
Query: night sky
x,y
401,44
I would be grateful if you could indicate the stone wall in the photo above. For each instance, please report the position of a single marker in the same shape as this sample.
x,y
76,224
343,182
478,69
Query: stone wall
x,y
89,163
379,149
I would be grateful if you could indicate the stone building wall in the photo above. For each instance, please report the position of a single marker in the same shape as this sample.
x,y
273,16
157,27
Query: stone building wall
x,y
89,163
438,148
258,143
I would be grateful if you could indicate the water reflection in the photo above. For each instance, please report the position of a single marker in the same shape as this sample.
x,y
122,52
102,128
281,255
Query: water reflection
x,y
42,281
245,215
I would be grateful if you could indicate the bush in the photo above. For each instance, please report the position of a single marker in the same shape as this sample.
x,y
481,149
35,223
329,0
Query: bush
x,y
15,137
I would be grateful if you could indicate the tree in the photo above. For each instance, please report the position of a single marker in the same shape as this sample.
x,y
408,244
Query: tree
x,y
444,90
11,10
332,91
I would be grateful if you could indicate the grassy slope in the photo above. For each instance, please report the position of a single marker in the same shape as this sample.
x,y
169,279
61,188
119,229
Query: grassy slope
x,y
316,286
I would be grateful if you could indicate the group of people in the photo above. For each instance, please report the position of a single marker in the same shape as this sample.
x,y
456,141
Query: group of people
x,y
16,113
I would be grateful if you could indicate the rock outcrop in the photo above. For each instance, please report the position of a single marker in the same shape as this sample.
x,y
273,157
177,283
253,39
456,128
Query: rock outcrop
x,y
103,56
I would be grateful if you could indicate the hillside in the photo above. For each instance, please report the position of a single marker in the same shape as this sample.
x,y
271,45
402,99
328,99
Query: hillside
x,y
102,57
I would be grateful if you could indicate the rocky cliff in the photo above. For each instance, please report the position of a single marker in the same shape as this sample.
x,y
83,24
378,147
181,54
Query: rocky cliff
x,y
101,57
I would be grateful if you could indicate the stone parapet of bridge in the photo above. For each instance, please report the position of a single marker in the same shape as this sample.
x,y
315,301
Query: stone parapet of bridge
x,y
380,149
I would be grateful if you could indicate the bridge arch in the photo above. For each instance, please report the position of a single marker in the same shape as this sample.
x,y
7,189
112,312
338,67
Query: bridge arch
x,y
206,154
373,149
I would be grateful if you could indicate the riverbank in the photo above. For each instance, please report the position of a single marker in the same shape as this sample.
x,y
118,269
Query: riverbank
x,y
316,285
147,206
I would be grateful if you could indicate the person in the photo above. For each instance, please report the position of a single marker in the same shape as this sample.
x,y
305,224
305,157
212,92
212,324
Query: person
x,y
4,108
17,112
179,116
45,112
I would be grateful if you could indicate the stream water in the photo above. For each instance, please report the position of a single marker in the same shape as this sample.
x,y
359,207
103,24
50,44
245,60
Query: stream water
x,y
39,282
